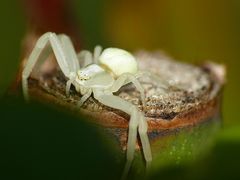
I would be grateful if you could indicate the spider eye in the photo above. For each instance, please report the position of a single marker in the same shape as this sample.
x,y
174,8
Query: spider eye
x,y
82,76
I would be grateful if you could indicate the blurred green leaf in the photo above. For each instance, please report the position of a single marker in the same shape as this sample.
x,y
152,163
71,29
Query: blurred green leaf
x,y
38,142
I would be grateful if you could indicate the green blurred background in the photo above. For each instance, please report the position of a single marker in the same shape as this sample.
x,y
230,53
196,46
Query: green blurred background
x,y
188,30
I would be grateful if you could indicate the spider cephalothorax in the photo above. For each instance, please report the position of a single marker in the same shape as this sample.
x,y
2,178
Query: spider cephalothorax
x,y
102,74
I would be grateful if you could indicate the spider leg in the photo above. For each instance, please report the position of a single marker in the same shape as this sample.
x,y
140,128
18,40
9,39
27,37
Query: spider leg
x,y
97,52
70,52
142,129
125,79
85,58
118,103
163,84
72,58
36,55
68,85
84,98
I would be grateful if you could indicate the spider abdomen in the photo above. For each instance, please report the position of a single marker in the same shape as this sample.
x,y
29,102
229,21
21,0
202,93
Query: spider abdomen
x,y
118,61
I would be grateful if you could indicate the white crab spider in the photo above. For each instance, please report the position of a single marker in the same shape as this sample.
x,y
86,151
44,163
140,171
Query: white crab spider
x,y
102,74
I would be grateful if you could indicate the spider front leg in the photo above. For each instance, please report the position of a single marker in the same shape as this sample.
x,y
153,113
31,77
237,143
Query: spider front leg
x,y
135,119
64,53
85,57
97,52
69,51
84,98
72,58
122,80
125,79
142,129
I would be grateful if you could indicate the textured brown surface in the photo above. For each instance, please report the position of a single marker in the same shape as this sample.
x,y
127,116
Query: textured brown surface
x,y
114,118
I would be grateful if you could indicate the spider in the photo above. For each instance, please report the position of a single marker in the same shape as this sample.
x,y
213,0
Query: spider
x,y
103,73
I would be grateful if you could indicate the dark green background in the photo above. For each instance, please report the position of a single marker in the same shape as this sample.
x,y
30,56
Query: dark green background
x,y
189,30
